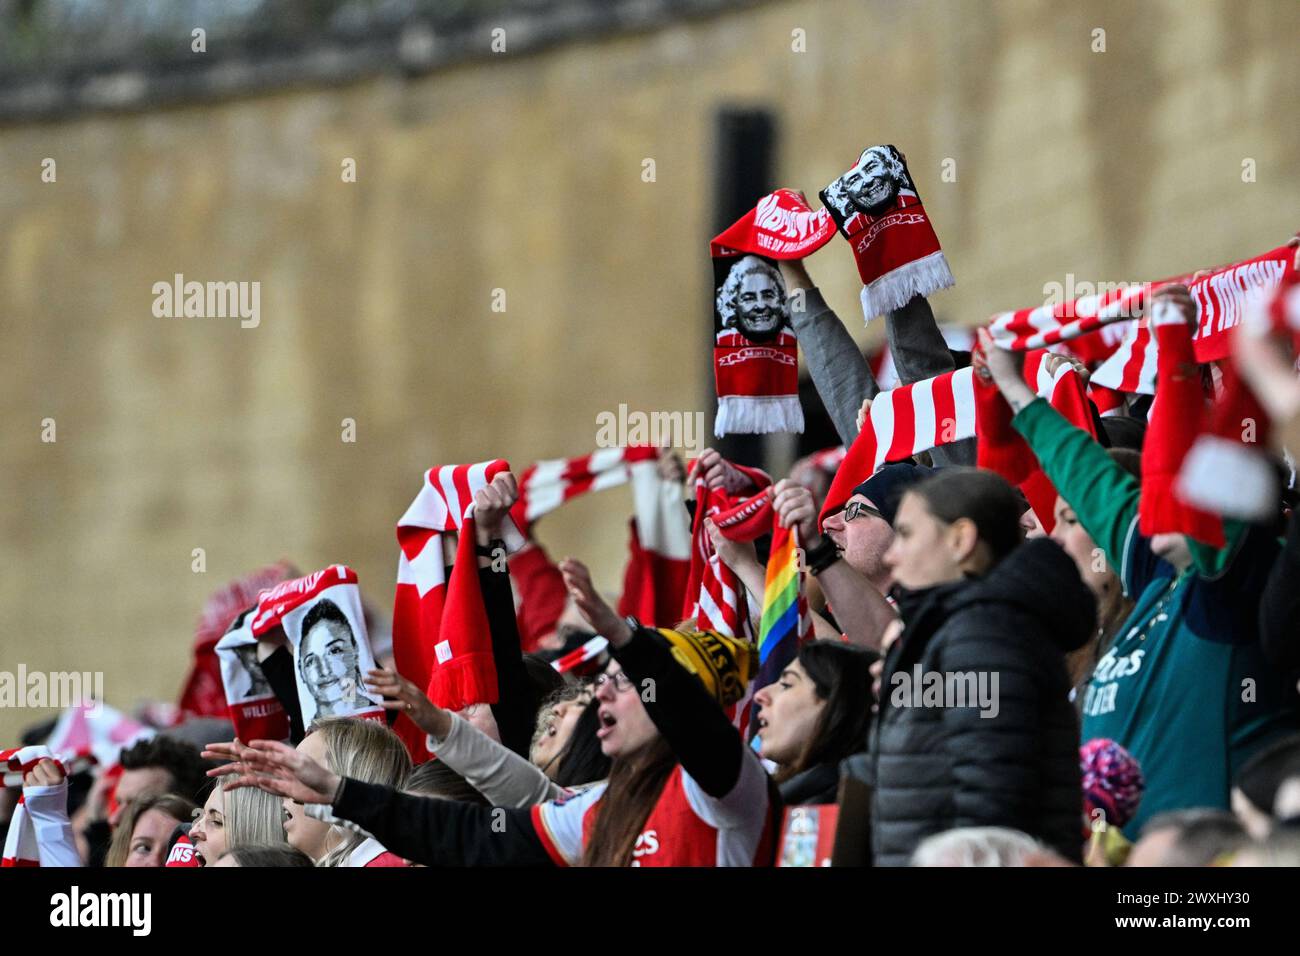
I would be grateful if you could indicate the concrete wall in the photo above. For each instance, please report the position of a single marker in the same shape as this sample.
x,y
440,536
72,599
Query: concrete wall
x,y
525,174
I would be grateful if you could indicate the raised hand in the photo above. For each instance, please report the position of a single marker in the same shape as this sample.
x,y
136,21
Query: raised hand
x,y
492,503
718,473
409,699
795,508
734,554
1004,369
276,768
46,773
600,616
1172,304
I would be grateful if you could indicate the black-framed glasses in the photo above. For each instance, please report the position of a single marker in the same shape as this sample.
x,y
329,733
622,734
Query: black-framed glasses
x,y
856,509
621,681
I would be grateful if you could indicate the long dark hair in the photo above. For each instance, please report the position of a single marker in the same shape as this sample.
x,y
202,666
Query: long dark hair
x,y
635,784
841,676
982,497
581,761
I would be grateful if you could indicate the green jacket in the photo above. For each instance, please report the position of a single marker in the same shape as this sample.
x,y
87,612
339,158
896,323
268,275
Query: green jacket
x,y
1184,686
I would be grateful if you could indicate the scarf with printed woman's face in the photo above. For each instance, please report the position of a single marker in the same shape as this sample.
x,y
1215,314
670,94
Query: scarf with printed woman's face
x,y
755,355
877,209
322,619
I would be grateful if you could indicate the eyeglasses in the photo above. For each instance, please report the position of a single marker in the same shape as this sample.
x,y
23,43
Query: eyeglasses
x,y
621,681
856,509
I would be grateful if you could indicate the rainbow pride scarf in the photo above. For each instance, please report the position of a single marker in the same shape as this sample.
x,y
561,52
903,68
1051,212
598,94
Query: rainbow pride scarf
x,y
785,623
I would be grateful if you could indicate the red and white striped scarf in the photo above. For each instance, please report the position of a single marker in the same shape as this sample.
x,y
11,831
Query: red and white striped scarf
x,y
22,848
440,628
908,420
715,595
546,485
654,582
1222,297
1225,471
1176,416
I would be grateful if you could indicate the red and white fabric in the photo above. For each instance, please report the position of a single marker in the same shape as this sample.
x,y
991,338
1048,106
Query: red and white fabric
x,y
686,826
440,626
40,833
579,656
97,730
546,485
1225,471
252,706
903,422
757,379
1176,416
322,620
908,420
715,596
1222,298
896,249
658,570
183,854
203,693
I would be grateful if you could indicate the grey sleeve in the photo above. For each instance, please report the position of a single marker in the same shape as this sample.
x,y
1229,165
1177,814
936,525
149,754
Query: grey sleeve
x,y
842,376
920,352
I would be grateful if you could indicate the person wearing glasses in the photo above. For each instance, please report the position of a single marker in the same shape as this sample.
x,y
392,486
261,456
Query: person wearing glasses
x,y
683,789
846,554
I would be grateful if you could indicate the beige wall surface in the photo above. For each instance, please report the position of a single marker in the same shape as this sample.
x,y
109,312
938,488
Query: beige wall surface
x,y
525,175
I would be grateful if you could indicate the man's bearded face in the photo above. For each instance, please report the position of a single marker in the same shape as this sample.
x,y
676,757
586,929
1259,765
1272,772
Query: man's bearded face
x,y
760,306
870,187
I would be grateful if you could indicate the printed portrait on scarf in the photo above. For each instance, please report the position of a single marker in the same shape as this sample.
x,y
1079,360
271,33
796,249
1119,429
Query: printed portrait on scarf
x,y
876,184
259,686
751,302
329,661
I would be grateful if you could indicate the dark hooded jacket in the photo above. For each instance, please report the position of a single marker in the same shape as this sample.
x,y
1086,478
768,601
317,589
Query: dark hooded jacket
x,y
998,645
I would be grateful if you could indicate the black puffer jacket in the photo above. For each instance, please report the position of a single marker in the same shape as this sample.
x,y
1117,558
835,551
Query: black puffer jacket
x,y
937,766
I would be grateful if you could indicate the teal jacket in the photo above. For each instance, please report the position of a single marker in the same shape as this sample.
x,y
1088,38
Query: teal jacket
x,y
1184,686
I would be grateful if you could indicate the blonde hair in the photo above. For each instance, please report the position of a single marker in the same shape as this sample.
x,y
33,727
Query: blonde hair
x,y
252,816
365,750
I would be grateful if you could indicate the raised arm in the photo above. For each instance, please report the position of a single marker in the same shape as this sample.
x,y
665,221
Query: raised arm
x,y
704,741
45,794
516,708
840,373
860,610
500,774
421,829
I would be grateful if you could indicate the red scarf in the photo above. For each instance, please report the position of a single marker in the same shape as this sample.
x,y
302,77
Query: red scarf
x,y
1226,472
755,356
440,628
908,420
877,209
1176,416
1221,299
742,511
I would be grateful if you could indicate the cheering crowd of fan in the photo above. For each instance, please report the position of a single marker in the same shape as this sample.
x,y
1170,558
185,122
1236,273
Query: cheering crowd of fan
x,y
1142,691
